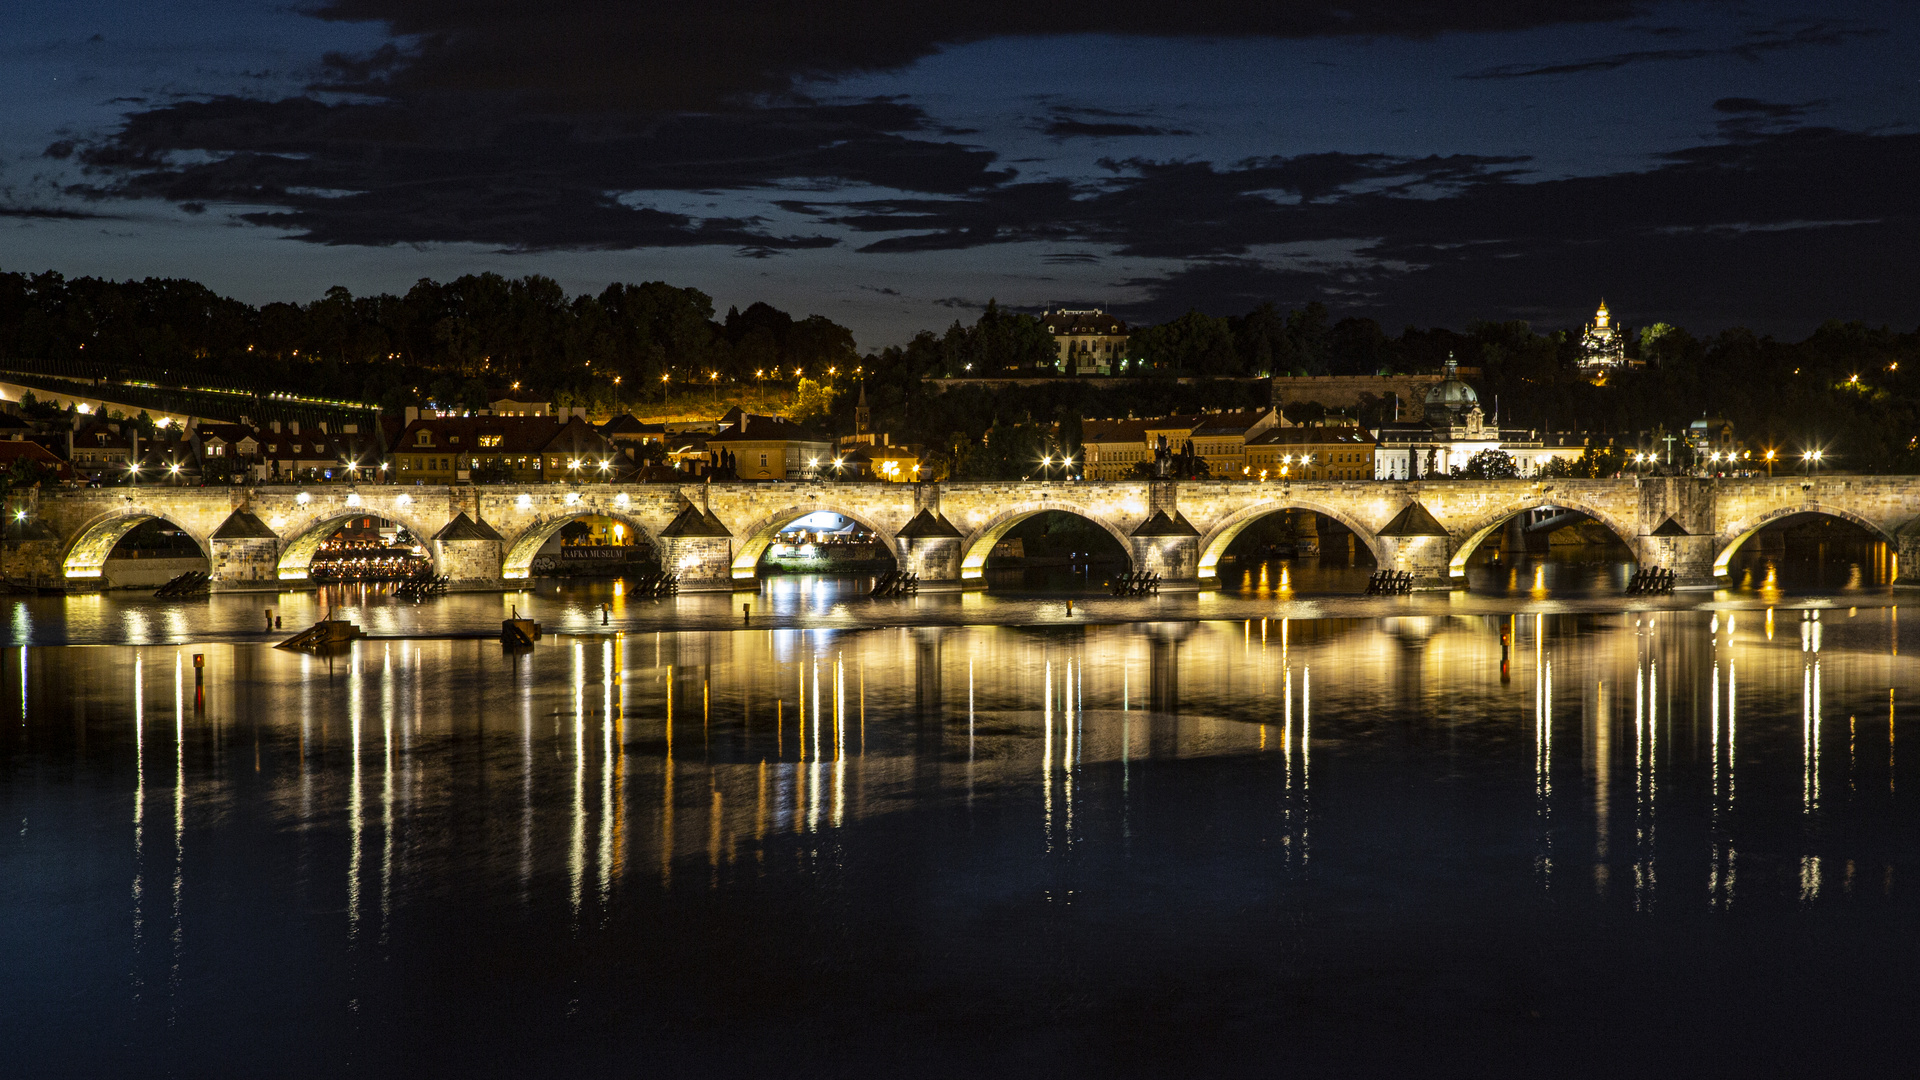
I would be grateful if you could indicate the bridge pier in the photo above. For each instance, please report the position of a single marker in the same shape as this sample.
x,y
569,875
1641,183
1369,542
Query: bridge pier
x,y
1167,544
930,546
243,551
1426,557
1907,557
469,552
1689,557
696,546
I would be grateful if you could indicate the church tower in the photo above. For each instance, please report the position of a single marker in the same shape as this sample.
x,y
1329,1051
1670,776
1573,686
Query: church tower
x,y
862,416
1602,346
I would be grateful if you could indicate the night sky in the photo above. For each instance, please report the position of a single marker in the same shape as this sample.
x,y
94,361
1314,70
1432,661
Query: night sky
x,y
894,165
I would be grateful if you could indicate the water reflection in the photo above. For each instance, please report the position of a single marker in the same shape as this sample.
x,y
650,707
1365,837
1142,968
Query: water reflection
x,y
976,813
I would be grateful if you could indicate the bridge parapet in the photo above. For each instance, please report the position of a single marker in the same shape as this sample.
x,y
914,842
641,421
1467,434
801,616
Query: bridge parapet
x,y
267,535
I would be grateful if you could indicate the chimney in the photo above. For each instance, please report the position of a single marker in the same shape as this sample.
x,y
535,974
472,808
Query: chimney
x,y
293,427
276,426
323,427
412,413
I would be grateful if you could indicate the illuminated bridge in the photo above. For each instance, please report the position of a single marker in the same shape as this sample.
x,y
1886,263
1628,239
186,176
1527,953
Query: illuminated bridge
x,y
713,535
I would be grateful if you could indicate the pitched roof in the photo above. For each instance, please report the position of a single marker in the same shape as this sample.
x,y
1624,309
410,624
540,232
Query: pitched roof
x,y
629,424
244,525
693,522
13,450
517,435
1229,423
751,428
1413,520
927,525
1162,525
1091,321
1312,436
463,527
1113,431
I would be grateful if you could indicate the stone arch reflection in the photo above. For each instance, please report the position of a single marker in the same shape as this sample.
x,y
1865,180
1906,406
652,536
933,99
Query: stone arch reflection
x,y
1534,549
1800,547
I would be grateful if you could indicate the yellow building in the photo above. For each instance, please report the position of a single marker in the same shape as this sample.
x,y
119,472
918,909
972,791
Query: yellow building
x,y
1114,449
1111,449
769,448
1309,453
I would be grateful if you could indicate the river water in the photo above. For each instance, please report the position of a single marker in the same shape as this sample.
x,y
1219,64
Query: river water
x,y
1451,840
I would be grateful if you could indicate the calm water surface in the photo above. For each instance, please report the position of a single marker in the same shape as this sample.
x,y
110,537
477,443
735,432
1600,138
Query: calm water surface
x,y
1663,842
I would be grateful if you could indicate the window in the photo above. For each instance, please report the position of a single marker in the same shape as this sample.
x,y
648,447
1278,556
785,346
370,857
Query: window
x,y
453,438
426,437
489,440
763,461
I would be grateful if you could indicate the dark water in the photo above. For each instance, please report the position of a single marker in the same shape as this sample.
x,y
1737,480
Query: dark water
x,y
1652,843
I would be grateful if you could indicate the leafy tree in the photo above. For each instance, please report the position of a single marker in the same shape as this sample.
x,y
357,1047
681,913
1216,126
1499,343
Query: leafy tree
x,y
1489,465
1193,344
811,401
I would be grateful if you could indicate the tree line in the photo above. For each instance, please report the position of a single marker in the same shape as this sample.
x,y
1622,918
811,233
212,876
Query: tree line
x,y
1851,390
450,343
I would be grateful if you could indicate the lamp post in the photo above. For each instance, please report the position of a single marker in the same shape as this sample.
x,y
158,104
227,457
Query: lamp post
x,y
664,379
1770,456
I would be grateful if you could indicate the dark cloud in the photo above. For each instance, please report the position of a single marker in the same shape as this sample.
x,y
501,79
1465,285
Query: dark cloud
x,y
1757,43
383,173
624,56
1753,232
1070,128
1165,209
1746,106
52,213
543,126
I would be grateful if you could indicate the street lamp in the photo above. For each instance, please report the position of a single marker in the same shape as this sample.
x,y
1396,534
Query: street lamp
x,y
1769,464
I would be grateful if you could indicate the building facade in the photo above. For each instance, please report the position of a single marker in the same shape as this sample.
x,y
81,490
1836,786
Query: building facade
x,y
1089,341
1311,453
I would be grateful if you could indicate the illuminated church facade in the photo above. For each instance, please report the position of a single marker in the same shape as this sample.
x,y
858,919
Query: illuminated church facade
x,y
1603,347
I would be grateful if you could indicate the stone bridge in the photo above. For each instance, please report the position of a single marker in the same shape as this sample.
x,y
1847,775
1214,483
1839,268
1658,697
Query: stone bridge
x,y
713,535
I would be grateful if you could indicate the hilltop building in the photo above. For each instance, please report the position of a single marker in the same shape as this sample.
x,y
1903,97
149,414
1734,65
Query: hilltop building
x,y
1090,341
1603,348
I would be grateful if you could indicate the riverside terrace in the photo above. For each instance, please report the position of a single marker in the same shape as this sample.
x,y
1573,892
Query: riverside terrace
x,y
713,535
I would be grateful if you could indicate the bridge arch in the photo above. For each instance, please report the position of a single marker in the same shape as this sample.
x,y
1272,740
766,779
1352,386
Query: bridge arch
x,y
746,556
1740,532
300,541
1475,534
86,555
976,547
1216,542
517,562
